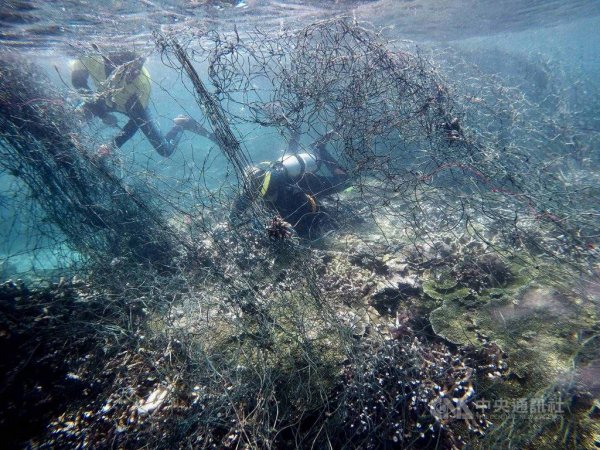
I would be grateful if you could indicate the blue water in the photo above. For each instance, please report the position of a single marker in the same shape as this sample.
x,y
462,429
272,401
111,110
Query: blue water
x,y
564,33
405,243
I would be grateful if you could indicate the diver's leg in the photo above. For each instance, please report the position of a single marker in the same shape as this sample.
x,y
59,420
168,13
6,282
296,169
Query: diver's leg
x,y
142,119
126,133
186,123
174,135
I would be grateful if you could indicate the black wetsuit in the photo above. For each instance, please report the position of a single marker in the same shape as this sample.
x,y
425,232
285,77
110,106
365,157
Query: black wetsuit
x,y
297,201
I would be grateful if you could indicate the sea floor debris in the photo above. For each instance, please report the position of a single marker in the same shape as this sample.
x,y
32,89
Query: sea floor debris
x,y
391,335
452,302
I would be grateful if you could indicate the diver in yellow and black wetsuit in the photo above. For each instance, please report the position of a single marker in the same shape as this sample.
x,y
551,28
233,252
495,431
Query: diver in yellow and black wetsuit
x,y
293,187
123,85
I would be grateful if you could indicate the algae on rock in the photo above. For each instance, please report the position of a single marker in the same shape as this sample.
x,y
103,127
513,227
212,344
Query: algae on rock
x,y
532,322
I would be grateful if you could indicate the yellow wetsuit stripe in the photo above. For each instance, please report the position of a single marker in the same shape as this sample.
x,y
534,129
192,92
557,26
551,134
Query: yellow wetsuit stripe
x,y
265,185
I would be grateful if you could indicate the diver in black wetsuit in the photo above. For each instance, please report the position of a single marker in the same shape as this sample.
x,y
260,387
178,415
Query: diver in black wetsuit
x,y
123,85
293,186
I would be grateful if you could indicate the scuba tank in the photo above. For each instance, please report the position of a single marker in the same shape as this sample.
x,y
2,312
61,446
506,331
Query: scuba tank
x,y
299,164
292,166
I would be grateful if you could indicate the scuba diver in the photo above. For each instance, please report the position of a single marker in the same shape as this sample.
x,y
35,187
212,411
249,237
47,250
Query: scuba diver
x,y
123,85
293,186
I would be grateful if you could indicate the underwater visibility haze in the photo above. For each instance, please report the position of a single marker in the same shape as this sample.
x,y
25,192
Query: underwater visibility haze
x,y
300,224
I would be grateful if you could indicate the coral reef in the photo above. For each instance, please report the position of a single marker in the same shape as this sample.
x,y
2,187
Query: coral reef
x,y
366,349
451,301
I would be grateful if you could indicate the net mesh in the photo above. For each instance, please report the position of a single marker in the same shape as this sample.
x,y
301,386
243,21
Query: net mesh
x,y
471,192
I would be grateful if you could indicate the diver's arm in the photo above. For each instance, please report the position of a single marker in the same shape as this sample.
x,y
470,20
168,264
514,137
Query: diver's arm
x,y
294,144
99,109
338,173
330,162
79,77
323,140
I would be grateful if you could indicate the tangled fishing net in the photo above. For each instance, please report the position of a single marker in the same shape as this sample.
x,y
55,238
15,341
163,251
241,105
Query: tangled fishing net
x,y
466,227
98,214
405,131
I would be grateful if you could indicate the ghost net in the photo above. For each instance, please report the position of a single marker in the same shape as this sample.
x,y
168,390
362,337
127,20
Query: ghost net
x,y
423,151
360,338
453,168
